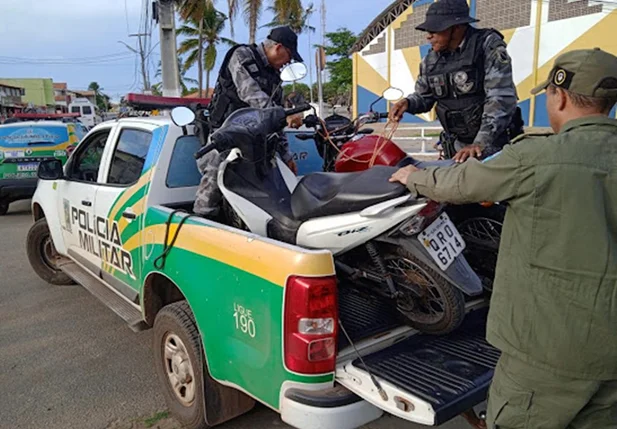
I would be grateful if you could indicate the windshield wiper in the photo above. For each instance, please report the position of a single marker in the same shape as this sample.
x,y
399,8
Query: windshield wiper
x,y
40,143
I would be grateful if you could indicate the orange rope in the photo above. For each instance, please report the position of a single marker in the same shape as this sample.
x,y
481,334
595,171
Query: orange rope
x,y
384,137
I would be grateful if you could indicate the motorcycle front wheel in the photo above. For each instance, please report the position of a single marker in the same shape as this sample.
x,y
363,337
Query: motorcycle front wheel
x,y
441,307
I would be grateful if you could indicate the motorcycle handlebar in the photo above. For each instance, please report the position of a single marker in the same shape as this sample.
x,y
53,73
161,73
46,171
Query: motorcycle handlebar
x,y
302,108
204,150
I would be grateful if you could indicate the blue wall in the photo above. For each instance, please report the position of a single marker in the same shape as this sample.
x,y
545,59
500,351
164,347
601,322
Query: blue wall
x,y
541,114
366,97
524,105
424,50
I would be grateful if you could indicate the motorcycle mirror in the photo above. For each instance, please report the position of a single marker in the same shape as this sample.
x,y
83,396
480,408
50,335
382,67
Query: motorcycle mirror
x,y
293,72
182,116
392,94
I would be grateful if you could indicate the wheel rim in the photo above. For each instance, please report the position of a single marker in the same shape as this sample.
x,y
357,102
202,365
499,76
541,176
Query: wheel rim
x,y
49,253
429,308
179,369
481,230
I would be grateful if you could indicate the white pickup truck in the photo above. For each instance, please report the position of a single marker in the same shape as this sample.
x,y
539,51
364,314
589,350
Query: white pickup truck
x,y
231,311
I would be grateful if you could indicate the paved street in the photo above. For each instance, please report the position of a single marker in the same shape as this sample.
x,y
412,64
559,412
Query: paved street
x,y
66,361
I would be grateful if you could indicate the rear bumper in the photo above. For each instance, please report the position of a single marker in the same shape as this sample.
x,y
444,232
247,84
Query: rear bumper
x,y
333,408
17,189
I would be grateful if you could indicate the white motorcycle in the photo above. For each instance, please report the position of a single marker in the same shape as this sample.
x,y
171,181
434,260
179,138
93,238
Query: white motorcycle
x,y
381,237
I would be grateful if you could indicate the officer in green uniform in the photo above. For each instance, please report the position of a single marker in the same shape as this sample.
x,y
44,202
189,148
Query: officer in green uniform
x,y
553,311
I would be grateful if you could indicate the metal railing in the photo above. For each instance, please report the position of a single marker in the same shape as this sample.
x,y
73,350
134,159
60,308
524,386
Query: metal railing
x,y
422,135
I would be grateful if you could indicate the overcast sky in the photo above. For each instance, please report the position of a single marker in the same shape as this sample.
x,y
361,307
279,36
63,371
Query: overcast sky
x,y
36,32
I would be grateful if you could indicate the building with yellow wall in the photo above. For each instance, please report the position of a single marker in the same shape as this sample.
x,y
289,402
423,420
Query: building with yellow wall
x,y
389,51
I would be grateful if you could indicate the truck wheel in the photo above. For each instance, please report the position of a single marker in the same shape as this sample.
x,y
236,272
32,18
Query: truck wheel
x,y
179,364
43,255
4,207
440,310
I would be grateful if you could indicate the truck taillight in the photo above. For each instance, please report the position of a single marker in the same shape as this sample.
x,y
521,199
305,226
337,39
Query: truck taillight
x,y
311,324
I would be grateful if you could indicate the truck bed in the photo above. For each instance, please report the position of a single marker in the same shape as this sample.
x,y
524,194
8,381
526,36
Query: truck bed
x,y
363,315
450,373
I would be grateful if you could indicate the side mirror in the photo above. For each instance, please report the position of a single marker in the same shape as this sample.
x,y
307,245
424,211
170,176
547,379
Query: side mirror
x,y
50,169
293,72
182,116
392,94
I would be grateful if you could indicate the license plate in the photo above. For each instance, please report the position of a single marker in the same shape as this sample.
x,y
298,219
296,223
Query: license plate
x,y
14,154
28,167
443,241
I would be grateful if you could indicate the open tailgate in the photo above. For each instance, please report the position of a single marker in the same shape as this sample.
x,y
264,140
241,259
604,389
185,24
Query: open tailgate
x,y
427,379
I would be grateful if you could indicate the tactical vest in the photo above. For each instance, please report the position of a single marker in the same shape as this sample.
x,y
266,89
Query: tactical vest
x,y
225,99
456,81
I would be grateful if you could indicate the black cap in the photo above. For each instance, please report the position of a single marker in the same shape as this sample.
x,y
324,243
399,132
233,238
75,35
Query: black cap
x,y
286,37
444,14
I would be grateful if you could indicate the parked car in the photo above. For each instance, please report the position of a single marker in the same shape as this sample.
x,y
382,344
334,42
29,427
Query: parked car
x,y
24,143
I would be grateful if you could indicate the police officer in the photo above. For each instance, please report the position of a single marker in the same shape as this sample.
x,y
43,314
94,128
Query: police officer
x,y
249,77
553,312
468,75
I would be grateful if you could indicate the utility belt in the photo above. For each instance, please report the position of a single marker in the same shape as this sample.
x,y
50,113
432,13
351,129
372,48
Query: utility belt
x,y
448,138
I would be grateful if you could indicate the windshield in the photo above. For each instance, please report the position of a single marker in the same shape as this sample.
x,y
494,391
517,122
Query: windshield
x,y
20,136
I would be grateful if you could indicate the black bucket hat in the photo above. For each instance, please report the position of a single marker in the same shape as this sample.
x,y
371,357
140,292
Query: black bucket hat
x,y
444,14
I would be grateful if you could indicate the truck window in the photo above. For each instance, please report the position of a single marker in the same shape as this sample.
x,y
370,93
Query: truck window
x,y
87,161
129,157
75,109
86,110
183,170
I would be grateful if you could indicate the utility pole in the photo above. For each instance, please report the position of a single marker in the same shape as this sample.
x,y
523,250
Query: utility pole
x,y
143,56
320,66
169,55
310,66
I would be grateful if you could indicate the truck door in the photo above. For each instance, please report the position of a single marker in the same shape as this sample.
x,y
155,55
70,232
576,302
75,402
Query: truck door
x,y
120,201
79,225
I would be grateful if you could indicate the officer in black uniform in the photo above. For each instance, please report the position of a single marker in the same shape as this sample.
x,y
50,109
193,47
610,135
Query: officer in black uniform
x,y
249,77
468,76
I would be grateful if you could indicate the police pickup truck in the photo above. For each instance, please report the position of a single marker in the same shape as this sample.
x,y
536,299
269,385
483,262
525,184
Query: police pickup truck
x,y
233,314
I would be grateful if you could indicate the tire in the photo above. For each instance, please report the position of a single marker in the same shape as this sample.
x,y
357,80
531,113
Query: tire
x,y
4,207
175,327
481,228
415,310
43,256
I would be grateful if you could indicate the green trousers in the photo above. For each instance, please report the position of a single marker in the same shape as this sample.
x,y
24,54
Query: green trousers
x,y
525,397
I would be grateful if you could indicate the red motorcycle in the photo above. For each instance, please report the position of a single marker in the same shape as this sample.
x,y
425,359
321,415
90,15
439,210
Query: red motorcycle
x,y
346,146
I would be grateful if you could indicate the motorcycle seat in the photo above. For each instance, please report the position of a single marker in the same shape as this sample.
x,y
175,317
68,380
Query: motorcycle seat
x,y
326,194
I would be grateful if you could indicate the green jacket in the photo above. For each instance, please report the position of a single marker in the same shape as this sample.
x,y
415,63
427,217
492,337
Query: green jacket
x,y
554,302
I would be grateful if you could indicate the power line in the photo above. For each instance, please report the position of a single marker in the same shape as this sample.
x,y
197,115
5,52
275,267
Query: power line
x,y
126,15
69,59
64,62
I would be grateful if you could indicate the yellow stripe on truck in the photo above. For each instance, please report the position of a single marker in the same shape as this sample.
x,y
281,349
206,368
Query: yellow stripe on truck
x,y
245,253
126,195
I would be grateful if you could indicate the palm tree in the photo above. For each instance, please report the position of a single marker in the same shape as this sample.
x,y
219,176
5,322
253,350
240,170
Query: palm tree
x,y
99,97
213,23
183,79
251,12
291,13
195,10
